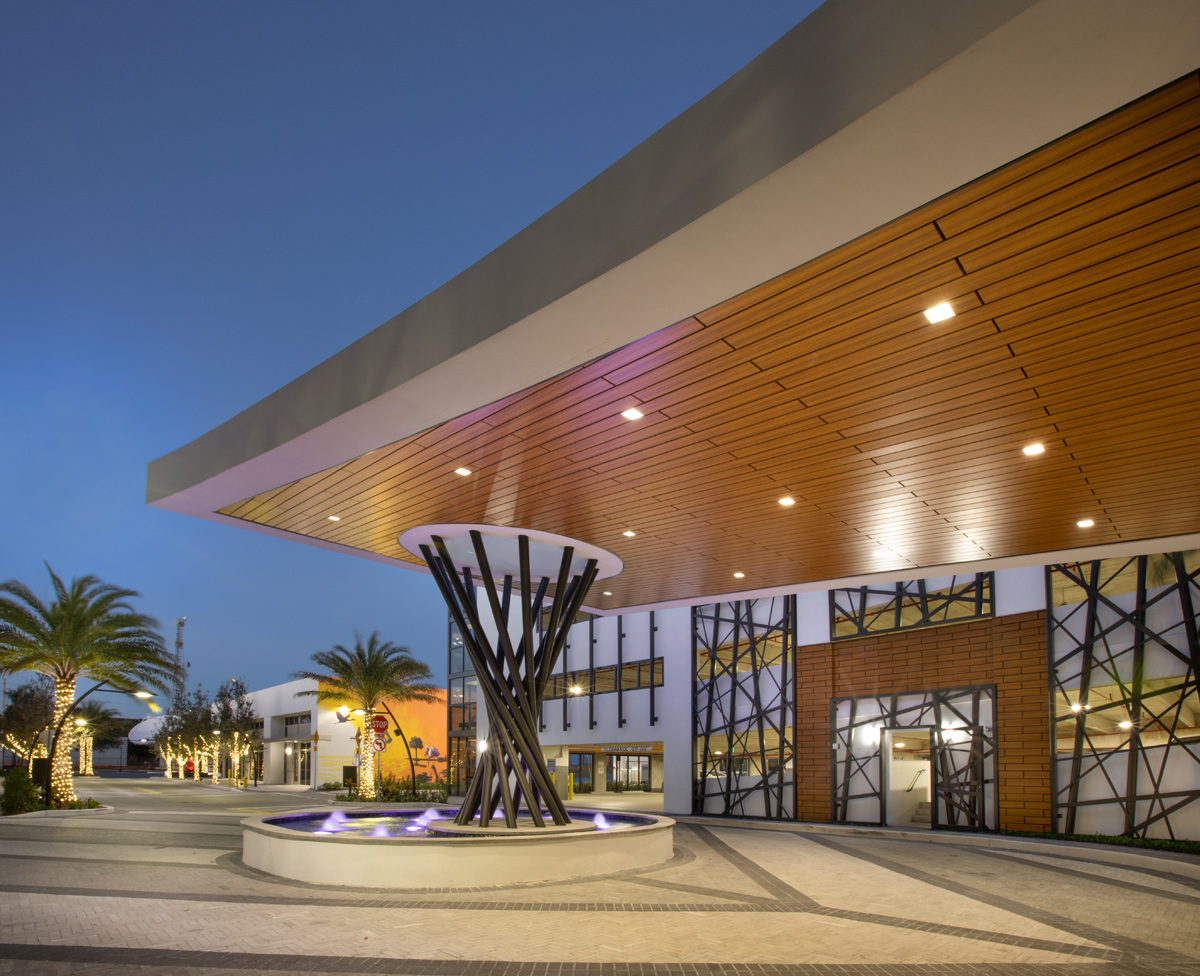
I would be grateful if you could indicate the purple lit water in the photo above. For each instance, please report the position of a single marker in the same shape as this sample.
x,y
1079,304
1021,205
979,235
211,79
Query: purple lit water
x,y
412,823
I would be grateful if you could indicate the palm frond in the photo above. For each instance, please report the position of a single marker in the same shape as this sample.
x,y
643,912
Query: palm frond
x,y
368,673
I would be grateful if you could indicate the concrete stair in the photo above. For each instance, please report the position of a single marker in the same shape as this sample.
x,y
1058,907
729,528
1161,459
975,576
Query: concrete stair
x,y
923,813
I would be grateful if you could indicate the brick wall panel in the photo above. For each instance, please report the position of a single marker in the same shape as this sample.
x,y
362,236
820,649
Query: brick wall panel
x,y
1009,652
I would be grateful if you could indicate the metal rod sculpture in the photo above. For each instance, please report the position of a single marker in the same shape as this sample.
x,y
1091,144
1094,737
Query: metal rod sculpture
x,y
512,678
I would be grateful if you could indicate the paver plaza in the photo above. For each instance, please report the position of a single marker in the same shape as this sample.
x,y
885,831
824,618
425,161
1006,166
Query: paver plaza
x,y
157,886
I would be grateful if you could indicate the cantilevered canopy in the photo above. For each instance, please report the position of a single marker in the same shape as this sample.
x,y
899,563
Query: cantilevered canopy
x,y
802,419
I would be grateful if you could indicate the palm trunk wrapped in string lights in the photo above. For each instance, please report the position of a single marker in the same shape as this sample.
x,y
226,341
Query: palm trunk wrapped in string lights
x,y
60,763
513,671
366,761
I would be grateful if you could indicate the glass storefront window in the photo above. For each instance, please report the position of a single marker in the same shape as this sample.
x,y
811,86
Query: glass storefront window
x,y
865,610
458,662
297,726
461,765
629,677
1126,701
634,675
626,773
463,694
605,680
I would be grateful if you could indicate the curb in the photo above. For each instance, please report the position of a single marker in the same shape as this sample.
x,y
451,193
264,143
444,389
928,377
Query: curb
x,y
58,813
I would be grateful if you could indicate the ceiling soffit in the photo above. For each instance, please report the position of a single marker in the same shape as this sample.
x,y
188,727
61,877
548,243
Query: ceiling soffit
x,y
1075,280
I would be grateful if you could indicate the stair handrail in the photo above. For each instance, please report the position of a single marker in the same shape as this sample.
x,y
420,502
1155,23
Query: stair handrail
x,y
914,782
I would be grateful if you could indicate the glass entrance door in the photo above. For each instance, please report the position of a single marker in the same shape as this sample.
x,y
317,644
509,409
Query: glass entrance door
x,y
581,772
296,762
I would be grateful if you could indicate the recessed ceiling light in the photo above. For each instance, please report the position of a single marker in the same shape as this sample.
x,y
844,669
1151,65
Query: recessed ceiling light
x,y
633,413
787,501
463,471
1124,725
1085,523
879,553
335,518
939,313
608,592
629,533
1032,449
738,575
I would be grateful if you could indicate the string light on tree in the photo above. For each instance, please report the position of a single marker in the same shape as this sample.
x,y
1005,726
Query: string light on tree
x,y
61,786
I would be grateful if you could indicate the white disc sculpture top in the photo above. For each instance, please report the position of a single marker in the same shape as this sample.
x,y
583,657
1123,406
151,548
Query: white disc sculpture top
x,y
500,545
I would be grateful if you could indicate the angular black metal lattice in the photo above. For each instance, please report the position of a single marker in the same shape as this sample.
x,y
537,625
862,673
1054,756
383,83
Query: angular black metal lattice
x,y
744,655
962,754
1124,659
907,604
512,676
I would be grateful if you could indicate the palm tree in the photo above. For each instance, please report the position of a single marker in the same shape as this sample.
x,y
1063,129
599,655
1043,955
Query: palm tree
x,y
364,678
90,631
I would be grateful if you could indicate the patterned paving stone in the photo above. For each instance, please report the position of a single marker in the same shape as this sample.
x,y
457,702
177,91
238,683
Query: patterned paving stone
x,y
163,891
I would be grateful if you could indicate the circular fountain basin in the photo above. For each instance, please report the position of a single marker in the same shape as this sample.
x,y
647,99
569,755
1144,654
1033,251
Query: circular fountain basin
x,y
386,847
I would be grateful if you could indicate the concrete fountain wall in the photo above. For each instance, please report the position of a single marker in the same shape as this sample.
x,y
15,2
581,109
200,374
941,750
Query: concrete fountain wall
x,y
473,857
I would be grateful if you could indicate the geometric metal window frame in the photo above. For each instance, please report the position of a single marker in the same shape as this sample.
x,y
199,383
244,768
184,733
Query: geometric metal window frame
x,y
963,759
910,604
744,698
650,671
1128,651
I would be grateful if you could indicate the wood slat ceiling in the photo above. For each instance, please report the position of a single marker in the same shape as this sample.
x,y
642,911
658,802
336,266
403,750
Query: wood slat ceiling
x,y
1074,273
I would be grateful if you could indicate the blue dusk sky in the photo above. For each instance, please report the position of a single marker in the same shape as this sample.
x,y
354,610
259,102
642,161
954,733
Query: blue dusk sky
x,y
200,201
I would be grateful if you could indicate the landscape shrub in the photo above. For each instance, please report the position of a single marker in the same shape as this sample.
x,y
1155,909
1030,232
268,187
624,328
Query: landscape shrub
x,y
21,794
393,790
1147,843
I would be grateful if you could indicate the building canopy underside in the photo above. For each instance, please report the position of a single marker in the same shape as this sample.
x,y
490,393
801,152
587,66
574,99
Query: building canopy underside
x,y
1073,272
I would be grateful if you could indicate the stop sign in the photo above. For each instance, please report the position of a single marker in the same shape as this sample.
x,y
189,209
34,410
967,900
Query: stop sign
x,y
379,723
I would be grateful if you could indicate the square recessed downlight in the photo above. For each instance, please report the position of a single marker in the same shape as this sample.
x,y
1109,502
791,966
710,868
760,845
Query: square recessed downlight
x,y
739,575
1031,449
1085,523
463,471
787,501
629,533
633,413
939,313
335,518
